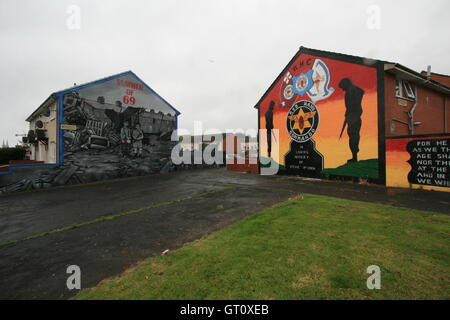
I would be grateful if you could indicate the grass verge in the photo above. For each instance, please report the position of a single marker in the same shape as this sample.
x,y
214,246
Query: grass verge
x,y
309,247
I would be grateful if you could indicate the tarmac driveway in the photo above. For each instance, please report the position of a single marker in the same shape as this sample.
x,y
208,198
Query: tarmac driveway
x,y
106,227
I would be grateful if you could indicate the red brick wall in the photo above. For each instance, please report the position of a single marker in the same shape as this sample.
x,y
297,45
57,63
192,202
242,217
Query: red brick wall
x,y
247,166
393,110
429,111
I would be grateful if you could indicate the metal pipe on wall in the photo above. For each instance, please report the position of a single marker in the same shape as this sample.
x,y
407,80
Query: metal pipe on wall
x,y
411,113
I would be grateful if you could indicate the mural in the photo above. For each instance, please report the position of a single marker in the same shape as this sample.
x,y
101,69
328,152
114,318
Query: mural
x,y
111,129
118,128
418,162
326,112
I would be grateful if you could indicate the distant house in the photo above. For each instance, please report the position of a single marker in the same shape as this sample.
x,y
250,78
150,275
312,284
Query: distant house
x,y
230,143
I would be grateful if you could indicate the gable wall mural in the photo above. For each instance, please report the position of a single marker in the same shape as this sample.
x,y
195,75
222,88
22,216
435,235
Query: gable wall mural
x,y
326,113
116,128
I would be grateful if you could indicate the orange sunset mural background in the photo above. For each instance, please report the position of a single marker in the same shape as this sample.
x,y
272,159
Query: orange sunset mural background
x,y
335,150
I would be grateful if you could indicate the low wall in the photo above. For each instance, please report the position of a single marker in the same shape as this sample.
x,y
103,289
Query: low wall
x,y
249,165
420,162
41,176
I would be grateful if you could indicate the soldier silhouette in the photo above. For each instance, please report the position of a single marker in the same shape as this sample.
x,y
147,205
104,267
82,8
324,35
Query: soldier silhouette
x,y
353,111
269,127
125,137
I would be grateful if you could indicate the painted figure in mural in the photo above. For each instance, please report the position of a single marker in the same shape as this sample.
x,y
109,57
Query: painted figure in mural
x,y
269,127
353,111
125,137
137,136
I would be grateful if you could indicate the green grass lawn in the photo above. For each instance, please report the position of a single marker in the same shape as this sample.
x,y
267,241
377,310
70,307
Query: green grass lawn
x,y
310,247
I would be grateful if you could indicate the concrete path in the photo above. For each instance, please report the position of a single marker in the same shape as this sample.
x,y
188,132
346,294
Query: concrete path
x,y
106,227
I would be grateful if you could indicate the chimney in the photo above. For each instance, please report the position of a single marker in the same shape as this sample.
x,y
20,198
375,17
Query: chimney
x,y
428,72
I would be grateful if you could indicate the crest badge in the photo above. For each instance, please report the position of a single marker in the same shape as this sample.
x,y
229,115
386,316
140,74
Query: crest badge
x,y
321,80
302,121
303,83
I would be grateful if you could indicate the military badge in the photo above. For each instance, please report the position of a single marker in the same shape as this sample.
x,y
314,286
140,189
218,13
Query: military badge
x,y
302,121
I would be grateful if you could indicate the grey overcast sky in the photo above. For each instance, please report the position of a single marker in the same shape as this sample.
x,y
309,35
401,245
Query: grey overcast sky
x,y
211,59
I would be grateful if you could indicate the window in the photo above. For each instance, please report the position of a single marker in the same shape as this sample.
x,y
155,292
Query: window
x,y
409,90
52,152
52,114
404,89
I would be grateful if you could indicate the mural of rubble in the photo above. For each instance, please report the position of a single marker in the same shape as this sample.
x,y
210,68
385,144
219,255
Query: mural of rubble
x,y
115,141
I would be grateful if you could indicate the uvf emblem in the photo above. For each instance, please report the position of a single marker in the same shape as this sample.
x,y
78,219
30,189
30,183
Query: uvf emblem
x,y
302,121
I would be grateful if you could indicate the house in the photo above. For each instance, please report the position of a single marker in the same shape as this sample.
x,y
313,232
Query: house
x,y
108,128
236,150
96,108
330,114
229,143
43,132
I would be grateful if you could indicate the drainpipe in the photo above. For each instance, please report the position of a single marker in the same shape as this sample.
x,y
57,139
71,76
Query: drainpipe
x,y
411,113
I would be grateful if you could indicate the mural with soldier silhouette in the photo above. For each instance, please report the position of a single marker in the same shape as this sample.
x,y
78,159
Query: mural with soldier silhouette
x,y
353,112
269,127
325,111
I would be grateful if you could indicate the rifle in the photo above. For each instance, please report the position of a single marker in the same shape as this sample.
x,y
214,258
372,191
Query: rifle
x,y
343,127
273,134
